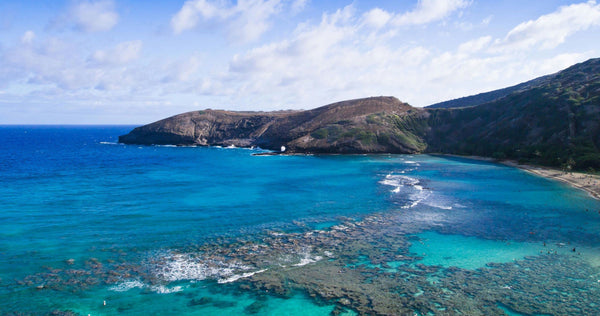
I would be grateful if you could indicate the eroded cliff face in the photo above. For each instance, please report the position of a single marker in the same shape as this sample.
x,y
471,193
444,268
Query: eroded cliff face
x,y
204,128
371,125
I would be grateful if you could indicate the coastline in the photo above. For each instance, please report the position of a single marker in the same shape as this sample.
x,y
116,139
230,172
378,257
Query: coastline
x,y
579,180
583,181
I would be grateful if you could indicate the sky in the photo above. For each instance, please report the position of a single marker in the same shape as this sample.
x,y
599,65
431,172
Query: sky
x,y
135,62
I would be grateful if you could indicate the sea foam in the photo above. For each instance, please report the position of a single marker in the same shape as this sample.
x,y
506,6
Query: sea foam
x,y
236,277
127,285
172,267
411,187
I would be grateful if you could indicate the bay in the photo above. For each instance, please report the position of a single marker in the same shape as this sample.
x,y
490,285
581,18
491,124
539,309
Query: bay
x,y
89,226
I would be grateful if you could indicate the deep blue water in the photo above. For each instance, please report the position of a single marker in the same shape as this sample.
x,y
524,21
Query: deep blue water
x,y
72,198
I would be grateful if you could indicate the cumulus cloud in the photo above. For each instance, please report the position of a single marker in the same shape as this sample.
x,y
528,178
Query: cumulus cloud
x,y
376,18
339,55
47,62
428,11
94,16
245,21
551,30
122,53
61,65
328,62
191,12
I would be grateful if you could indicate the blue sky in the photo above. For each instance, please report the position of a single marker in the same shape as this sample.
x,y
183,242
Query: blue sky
x,y
134,62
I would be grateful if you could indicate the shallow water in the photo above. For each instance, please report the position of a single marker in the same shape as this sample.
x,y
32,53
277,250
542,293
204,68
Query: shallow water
x,y
184,230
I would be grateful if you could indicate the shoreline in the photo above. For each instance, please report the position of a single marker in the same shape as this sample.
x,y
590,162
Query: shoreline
x,y
579,180
583,181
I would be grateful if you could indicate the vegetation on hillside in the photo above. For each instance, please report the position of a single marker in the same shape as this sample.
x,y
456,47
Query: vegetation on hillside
x,y
556,123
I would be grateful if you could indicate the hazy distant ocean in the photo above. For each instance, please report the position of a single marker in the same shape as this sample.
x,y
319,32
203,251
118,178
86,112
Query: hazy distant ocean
x,y
89,226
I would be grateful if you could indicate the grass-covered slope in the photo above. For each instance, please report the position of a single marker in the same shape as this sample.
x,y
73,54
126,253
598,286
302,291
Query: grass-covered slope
x,y
371,125
555,123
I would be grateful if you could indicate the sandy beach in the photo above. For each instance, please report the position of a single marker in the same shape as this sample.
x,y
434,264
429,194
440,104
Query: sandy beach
x,y
580,180
584,181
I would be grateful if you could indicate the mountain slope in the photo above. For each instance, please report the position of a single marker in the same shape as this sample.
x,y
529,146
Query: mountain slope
x,y
356,126
553,120
490,96
555,123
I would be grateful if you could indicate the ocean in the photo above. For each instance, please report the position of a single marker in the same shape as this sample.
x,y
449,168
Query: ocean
x,y
92,227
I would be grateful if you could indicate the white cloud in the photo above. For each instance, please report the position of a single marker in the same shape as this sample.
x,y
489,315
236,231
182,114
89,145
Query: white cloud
x,y
180,71
327,62
48,62
551,30
28,37
122,53
338,55
63,66
189,15
94,16
245,21
299,5
428,11
474,46
376,18
252,19
559,62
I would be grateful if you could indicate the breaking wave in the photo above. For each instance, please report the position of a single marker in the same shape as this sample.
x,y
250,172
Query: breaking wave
x,y
172,267
412,192
133,284
236,277
127,285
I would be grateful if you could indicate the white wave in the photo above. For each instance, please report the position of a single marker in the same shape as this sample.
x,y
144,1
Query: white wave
x,y
413,204
440,206
127,285
174,267
161,289
411,189
417,196
132,284
398,181
110,143
236,277
307,259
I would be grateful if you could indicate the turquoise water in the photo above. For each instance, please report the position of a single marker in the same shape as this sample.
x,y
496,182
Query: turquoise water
x,y
89,226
